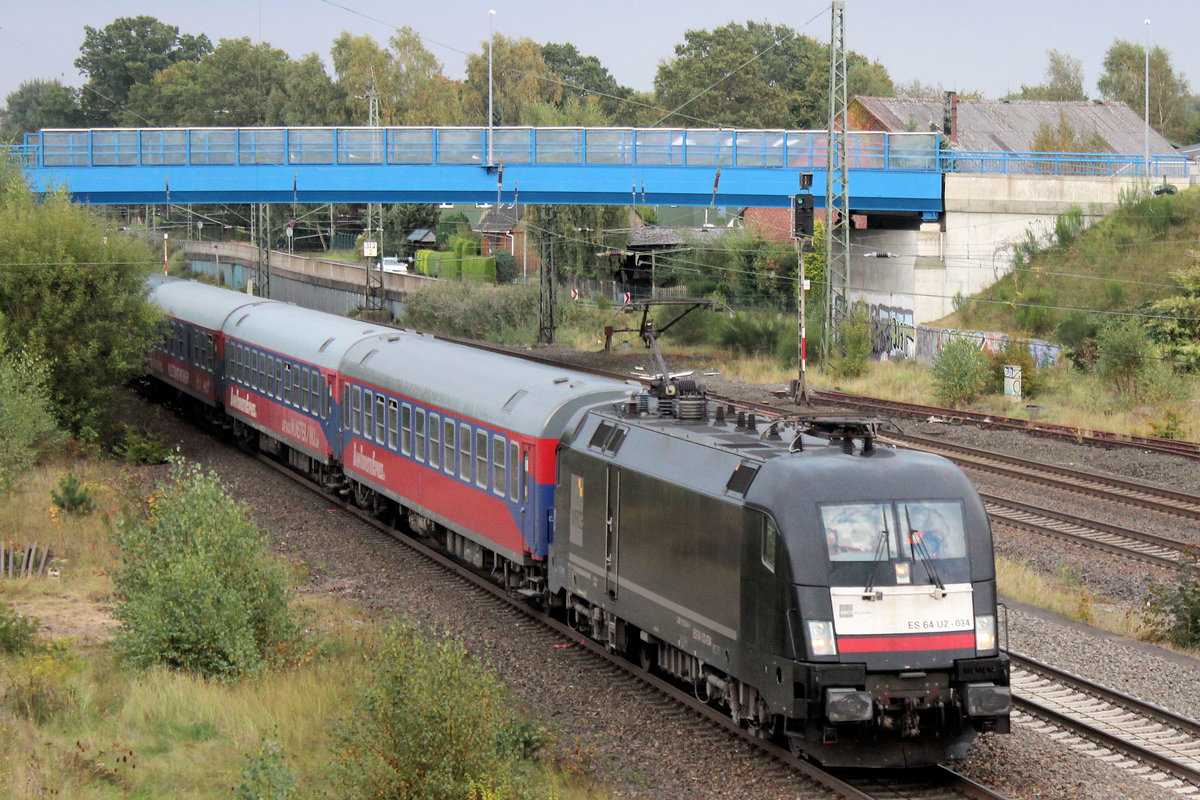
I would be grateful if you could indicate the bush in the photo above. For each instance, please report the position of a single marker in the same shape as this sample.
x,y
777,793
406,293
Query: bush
x,y
265,776
1124,353
141,447
960,372
37,686
28,431
1173,611
474,310
73,497
852,344
199,588
1014,351
17,631
753,334
433,724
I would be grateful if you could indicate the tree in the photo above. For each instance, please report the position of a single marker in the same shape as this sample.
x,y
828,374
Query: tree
x,y
588,82
407,80
520,78
36,105
1063,138
72,297
28,429
205,93
401,219
308,96
960,372
1064,80
1124,79
757,75
716,78
126,52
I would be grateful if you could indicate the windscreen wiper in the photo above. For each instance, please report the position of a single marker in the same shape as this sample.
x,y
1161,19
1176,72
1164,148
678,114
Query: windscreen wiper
x,y
881,548
918,547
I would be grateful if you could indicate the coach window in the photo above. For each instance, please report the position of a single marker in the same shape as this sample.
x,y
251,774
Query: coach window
x,y
435,441
770,534
271,388
481,460
498,477
314,388
210,352
464,458
380,421
393,430
514,472
356,409
287,383
448,443
345,406
262,373
368,414
406,429
305,377
278,376
419,430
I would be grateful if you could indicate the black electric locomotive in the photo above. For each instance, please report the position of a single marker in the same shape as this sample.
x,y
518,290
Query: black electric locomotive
x,y
818,585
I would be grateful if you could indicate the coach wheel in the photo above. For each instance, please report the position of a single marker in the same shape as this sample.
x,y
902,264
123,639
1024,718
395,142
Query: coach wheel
x,y
647,653
362,496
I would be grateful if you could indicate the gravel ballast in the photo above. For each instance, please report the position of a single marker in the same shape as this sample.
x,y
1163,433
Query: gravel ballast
x,y
601,724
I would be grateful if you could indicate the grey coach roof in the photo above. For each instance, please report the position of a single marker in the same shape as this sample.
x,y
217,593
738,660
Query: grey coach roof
x,y
476,384
206,305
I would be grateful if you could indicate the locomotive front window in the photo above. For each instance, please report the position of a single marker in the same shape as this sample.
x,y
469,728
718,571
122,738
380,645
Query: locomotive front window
x,y
925,540
857,531
935,529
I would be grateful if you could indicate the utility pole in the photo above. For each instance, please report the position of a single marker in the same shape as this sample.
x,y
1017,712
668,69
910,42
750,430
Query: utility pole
x,y
837,193
548,284
373,240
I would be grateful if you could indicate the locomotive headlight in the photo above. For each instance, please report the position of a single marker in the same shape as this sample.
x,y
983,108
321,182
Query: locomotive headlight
x,y
820,637
985,634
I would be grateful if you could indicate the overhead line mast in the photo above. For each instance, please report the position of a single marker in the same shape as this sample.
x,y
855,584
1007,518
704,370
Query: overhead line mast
x,y
837,184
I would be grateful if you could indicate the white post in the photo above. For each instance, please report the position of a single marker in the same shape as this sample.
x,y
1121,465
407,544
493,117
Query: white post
x,y
491,35
1147,100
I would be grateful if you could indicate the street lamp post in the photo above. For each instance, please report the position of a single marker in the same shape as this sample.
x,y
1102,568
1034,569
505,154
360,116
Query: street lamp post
x,y
1146,99
491,36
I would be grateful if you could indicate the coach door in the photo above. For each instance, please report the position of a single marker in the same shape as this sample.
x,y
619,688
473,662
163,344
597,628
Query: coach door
x,y
613,531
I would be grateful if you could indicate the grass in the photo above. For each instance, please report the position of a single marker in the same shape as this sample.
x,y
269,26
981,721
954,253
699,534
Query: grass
x,y
1061,594
76,723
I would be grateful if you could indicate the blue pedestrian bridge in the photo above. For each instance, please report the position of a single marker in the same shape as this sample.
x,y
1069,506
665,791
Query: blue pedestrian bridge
x,y
888,172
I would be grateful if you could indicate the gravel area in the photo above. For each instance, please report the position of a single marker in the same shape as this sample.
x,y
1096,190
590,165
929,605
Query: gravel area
x,y
605,726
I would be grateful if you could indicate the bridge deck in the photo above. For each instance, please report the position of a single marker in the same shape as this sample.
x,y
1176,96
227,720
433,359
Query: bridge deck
x,y
890,172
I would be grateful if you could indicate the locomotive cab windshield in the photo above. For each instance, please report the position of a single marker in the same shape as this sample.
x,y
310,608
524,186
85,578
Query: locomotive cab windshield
x,y
896,543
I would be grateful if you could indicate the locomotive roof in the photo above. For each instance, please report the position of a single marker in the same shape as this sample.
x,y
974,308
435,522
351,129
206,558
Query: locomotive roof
x,y
312,336
705,456
505,391
199,303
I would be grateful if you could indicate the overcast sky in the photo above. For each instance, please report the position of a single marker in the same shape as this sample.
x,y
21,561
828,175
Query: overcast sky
x,y
969,45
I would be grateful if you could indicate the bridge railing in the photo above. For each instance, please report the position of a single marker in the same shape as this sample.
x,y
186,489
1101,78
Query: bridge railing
x,y
1058,164
464,146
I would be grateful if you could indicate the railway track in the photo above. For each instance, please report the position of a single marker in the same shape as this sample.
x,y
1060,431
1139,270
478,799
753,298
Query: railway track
x,y
1108,487
1146,547
1184,449
801,778
1161,745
